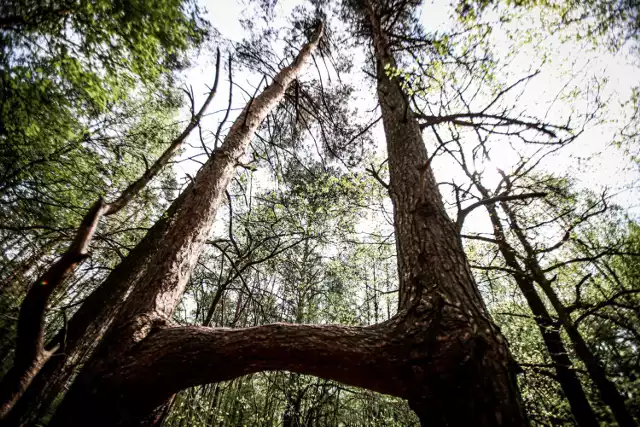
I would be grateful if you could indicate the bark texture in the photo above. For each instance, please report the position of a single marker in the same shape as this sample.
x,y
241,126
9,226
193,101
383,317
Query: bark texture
x,y
475,385
31,354
156,293
441,351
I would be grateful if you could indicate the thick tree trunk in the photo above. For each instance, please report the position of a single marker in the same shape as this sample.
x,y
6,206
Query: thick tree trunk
x,y
157,292
481,389
88,325
442,352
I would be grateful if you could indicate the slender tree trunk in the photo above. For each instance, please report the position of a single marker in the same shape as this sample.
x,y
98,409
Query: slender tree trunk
x,y
214,303
565,373
291,414
609,393
31,353
292,403
88,325
156,294
12,290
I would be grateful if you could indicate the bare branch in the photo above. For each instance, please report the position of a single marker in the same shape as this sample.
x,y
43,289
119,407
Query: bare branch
x,y
501,198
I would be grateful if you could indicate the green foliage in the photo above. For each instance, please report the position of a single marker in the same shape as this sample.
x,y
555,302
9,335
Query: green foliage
x,y
306,237
83,98
612,22
85,104
595,277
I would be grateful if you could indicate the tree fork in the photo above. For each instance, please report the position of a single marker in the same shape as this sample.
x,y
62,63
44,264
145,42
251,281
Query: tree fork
x,y
87,326
155,295
441,352
431,259
31,354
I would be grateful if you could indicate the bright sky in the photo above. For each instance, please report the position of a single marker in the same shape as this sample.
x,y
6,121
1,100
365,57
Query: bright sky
x,y
569,60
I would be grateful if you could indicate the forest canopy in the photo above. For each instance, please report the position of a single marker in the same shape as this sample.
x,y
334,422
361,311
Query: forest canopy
x,y
319,213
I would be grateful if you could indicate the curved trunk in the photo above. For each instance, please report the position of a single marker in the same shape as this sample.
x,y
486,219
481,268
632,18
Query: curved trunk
x,y
156,293
441,351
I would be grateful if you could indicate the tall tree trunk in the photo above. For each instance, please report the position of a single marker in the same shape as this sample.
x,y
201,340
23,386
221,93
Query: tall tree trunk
x,y
480,388
565,373
441,351
156,293
609,393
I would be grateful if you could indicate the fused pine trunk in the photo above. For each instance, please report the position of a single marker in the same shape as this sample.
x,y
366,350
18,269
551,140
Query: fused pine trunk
x,y
441,351
475,384
155,294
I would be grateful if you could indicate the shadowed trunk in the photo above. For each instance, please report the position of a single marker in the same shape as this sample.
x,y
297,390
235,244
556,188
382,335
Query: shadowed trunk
x,y
157,291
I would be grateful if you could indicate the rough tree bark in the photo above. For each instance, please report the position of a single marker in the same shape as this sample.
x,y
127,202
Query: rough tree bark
x,y
441,351
31,353
479,388
156,294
